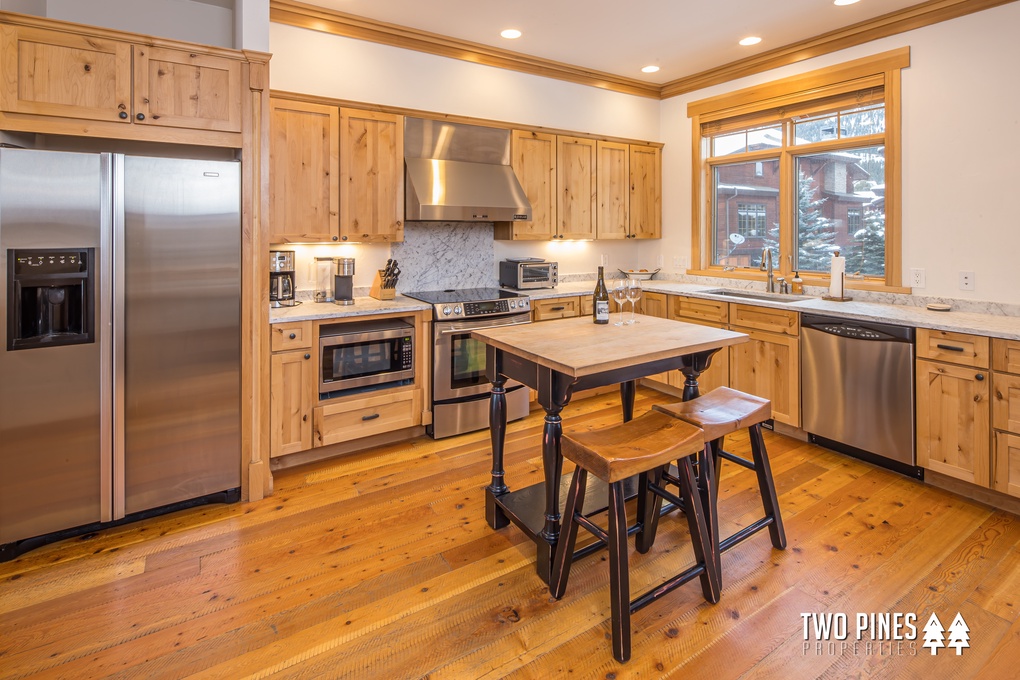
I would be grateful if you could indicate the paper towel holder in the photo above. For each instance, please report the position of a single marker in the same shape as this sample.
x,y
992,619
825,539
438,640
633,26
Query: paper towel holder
x,y
842,287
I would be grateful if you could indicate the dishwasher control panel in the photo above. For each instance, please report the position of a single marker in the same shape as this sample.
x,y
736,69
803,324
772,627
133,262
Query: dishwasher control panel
x,y
852,332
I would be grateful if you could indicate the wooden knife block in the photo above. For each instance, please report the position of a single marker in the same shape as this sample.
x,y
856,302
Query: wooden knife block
x,y
378,292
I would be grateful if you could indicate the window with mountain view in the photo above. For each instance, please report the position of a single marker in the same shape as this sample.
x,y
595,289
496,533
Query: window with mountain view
x,y
801,168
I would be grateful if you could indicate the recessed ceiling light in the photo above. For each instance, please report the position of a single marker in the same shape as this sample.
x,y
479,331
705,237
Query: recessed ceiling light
x,y
650,69
840,3
750,40
511,34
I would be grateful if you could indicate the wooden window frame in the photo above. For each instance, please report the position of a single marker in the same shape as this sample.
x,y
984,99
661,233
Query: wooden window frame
x,y
798,94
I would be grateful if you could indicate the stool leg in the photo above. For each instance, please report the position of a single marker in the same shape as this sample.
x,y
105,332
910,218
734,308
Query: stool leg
x,y
767,487
648,510
619,577
706,551
568,536
709,470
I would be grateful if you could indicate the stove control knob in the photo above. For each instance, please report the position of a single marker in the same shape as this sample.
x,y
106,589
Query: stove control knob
x,y
446,311
513,305
456,310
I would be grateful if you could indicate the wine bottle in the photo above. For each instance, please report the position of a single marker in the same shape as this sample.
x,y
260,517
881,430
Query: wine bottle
x,y
600,300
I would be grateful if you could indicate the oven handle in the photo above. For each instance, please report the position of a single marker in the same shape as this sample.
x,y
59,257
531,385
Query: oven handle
x,y
453,327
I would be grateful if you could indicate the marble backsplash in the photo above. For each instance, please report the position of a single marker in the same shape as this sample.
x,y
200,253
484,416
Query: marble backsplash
x,y
442,255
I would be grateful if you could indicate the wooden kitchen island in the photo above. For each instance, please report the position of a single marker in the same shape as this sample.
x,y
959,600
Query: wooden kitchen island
x,y
557,358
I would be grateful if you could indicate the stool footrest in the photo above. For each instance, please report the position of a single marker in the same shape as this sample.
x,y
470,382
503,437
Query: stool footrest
x,y
592,528
744,533
662,493
667,587
735,459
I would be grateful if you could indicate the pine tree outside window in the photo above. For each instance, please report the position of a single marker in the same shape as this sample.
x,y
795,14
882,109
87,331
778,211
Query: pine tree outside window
x,y
817,156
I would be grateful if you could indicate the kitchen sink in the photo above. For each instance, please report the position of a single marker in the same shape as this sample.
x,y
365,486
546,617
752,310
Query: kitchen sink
x,y
764,297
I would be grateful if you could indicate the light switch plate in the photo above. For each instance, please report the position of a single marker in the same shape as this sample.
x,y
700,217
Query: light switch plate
x,y
966,280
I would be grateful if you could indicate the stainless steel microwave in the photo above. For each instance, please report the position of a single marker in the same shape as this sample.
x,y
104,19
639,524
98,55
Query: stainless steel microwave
x,y
365,353
525,273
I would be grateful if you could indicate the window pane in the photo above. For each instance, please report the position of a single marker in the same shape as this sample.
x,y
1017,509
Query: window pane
x,y
745,212
815,130
868,120
841,206
725,145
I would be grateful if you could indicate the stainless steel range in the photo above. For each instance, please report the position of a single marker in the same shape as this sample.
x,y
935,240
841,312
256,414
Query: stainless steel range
x,y
460,389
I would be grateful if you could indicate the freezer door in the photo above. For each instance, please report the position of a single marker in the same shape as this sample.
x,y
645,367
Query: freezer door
x,y
53,414
178,352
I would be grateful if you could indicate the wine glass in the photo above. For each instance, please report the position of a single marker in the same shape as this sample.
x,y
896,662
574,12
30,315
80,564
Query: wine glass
x,y
620,295
633,291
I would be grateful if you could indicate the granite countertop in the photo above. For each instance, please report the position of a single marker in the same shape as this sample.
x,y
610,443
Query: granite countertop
x,y
994,325
363,306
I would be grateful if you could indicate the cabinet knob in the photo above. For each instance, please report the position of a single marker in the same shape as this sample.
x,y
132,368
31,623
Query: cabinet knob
x,y
336,238
293,335
140,116
979,377
123,115
308,356
342,238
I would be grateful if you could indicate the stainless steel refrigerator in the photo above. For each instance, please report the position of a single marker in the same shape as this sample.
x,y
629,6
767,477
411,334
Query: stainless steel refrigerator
x,y
120,370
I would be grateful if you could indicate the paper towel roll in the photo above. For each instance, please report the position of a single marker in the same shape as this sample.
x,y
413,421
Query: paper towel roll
x,y
838,268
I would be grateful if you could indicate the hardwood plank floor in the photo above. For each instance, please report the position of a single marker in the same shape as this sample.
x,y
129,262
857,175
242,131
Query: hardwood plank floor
x,y
380,565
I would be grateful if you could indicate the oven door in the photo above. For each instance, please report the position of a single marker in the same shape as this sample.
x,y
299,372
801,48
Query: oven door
x,y
459,360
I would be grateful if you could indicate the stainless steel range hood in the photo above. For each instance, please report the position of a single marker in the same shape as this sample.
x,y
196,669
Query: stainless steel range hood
x,y
460,173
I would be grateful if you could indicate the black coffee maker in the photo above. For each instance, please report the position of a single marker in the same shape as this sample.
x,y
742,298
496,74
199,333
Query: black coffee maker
x,y
51,297
281,278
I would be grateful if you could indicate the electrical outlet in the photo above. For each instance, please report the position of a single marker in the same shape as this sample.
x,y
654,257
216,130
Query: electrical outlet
x,y
966,280
605,261
917,278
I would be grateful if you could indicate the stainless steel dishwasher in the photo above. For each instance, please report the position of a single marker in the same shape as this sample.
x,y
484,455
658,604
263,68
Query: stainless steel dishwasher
x,y
857,389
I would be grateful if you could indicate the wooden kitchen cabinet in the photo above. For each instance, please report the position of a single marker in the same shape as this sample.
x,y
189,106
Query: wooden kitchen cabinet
x,y
533,158
74,75
645,191
304,161
555,308
704,313
575,186
371,176
656,304
613,217
768,365
347,420
1005,476
962,349
292,393
953,419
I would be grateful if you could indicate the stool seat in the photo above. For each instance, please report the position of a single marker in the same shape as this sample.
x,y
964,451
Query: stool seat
x,y
644,446
620,451
721,412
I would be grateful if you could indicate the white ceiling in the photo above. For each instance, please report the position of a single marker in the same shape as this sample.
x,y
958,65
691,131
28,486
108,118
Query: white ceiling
x,y
682,37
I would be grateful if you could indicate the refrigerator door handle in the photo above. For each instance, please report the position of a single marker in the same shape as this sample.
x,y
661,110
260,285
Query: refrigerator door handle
x,y
104,310
116,177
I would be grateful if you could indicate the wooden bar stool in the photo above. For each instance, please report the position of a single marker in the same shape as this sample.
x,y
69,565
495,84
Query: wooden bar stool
x,y
644,446
721,412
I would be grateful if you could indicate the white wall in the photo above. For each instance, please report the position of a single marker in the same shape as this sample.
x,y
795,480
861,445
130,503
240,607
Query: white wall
x,y
961,148
209,22
316,63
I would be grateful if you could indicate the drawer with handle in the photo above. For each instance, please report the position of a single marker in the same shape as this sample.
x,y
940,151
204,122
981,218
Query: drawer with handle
x,y
555,308
963,349
365,417
292,335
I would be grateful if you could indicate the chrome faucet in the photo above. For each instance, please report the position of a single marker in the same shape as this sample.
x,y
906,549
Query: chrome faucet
x,y
766,266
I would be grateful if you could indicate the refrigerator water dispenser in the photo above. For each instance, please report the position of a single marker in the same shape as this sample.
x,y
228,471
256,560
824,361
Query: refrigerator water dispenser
x,y
51,299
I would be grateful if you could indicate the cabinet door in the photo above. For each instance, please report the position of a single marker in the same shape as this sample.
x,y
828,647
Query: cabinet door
x,y
291,394
53,73
718,373
952,421
179,88
768,365
304,167
1006,356
655,304
575,186
371,176
533,157
1006,402
645,191
613,218
1006,465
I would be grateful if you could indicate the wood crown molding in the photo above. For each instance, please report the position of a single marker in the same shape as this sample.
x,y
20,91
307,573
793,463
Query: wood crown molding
x,y
302,15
